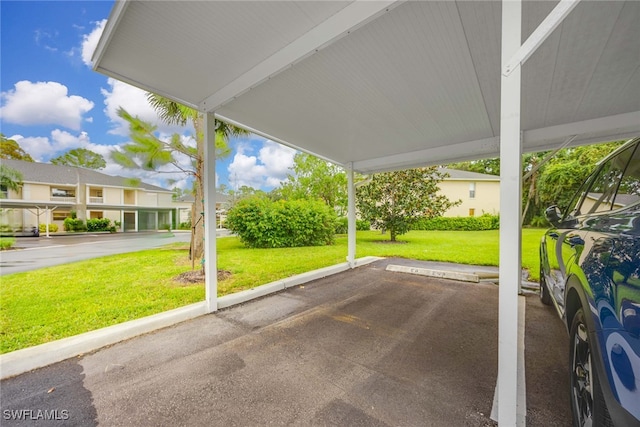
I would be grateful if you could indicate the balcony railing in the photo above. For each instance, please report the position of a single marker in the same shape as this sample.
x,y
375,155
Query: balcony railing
x,y
96,199
63,199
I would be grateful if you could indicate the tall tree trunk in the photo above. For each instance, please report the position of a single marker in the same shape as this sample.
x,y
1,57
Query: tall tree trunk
x,y
197,217
392,231
530,195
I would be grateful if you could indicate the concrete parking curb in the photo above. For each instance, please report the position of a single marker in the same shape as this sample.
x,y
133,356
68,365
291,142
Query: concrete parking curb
x,y
474,277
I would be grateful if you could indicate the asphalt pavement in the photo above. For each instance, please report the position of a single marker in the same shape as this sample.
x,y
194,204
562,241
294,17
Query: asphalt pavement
x,y
367,347
31,253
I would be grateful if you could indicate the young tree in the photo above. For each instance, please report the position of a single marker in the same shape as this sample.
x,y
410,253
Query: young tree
x,y
315,178
80,157
10,149
147,151
395,200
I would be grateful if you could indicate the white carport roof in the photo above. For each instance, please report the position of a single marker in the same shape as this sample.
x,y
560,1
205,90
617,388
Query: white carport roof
x,y
381,85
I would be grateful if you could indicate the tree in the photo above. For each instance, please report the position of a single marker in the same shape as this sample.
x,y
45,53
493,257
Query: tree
x,y
10,149
315,178
80,157
10,179
147,151
564,173
395,200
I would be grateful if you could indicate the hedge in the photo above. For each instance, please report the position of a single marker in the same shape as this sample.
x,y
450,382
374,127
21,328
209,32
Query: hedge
x,y
74,224
459,223
262,223
342,225
52,228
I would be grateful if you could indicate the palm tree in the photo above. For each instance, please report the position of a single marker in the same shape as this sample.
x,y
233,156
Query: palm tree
x,y
10,179
173,113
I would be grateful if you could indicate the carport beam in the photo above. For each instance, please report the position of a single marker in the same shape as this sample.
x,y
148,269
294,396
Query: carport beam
x,y
509,414
209,192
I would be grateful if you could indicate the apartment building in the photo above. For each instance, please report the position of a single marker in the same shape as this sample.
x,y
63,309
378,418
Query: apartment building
x,y
50,193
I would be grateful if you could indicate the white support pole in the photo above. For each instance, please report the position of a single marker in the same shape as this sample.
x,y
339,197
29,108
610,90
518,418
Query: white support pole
x,y
209,223
509,414
351,217
48,220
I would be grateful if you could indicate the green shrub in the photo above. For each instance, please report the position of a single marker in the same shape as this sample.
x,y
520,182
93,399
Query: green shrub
x,y
342,225
184,225
98,224
52,228
262,223
459,223
7,243
74,224
539,222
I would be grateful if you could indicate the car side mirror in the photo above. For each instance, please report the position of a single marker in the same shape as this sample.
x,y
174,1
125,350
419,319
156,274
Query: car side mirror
x,y
553,214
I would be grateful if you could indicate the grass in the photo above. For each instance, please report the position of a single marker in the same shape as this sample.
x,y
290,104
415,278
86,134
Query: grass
x,y
66,300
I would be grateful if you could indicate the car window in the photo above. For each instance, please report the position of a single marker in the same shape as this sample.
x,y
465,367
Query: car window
x,y
629,190
615,185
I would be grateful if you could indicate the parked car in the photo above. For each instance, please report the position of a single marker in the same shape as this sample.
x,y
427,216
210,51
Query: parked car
x,y
590,272
7,231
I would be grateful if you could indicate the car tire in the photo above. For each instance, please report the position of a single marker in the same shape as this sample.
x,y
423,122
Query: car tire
x,y
545,295
587,401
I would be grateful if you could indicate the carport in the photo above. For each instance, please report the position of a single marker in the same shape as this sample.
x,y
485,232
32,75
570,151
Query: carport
x,y
381,85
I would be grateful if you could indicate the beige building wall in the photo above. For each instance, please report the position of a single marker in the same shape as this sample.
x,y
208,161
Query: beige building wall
x,y
165,199
112,196
147,199
36,192
486,197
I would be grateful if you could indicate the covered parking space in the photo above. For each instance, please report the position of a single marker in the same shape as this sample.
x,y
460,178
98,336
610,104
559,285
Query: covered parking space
x,y
366,347
383,85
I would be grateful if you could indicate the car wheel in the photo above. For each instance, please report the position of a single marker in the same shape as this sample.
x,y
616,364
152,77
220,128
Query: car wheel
x,y
587,401
545,296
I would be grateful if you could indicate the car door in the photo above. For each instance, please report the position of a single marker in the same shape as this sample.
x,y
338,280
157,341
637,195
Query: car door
x,y
568,244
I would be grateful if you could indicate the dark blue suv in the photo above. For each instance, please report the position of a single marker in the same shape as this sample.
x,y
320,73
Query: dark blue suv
x,y
590,272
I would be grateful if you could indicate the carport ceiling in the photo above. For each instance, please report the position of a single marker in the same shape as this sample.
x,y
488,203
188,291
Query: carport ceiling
x,y
384,85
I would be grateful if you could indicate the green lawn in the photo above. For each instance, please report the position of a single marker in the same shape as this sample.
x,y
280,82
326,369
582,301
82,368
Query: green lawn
x,y
57,302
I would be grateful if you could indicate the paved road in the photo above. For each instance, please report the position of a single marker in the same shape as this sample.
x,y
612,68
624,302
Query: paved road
x,y
33,253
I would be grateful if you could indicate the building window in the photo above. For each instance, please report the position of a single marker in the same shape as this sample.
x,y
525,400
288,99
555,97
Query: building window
x,y
4,192
60,215
472,212
63,192
472,190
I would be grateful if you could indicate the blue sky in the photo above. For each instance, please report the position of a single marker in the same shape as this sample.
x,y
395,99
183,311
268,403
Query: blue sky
x,y
51,100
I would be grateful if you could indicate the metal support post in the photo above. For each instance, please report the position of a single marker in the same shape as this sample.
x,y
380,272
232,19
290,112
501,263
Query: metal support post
x,y
509,414
351,217
209,192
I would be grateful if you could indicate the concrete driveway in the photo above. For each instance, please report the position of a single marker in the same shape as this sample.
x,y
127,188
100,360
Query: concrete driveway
x,y
366,347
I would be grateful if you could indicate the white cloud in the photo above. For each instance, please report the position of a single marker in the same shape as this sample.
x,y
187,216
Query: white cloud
x,y
43,103
43,149
134,101
265,171
90,41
